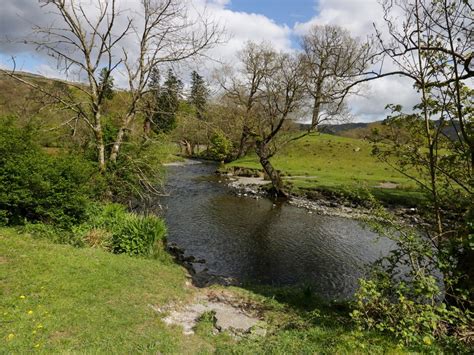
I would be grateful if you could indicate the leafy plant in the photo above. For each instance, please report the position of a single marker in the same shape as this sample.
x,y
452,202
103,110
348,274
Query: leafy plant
x,y
38,187
221,147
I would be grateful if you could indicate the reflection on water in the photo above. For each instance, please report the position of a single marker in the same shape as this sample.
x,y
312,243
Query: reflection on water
x,y
258,241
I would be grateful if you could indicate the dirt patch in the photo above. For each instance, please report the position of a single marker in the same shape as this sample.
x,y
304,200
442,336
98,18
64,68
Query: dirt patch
x,y
387,185
185,162
230,314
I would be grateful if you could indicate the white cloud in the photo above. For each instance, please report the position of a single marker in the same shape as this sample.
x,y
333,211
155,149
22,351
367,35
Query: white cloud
x,y
16,17
359,17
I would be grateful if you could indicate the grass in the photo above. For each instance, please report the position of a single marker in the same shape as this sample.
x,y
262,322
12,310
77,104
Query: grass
x,y
336,164
57,298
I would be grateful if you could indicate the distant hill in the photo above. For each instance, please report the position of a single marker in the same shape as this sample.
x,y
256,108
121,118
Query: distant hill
x,y
362,130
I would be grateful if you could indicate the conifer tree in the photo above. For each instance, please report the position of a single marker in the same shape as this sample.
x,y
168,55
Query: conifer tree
x,y
164,119
199,94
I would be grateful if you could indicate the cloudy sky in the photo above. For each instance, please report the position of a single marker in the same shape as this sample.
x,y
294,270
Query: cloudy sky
x,y
277,21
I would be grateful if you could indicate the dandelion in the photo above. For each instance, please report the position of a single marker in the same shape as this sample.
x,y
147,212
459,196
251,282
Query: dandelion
x,y
30,312
39,326
10,336
22,297
33,332
37,346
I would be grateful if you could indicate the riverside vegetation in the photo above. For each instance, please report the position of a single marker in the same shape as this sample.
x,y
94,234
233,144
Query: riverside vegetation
x,y
83,271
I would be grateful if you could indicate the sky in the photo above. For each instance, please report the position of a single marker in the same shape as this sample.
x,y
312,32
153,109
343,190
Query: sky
x,y
279,22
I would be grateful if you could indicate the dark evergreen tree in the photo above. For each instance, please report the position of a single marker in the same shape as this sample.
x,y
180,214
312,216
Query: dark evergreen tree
x,y
199,94
164,119
151,103
106,83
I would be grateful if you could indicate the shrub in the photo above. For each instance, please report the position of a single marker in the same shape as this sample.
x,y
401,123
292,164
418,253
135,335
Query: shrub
x,y
220,148
38,187
410,293
124,232
139,235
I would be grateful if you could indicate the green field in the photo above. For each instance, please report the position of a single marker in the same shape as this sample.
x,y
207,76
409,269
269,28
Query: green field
x,y
333,163
57,298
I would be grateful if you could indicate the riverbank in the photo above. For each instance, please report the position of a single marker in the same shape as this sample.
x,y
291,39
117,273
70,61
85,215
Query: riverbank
x,y
326,203
331,166
88,300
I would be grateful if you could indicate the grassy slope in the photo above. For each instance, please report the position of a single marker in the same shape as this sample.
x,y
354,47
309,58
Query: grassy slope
x,y
83,299
60,298
328,162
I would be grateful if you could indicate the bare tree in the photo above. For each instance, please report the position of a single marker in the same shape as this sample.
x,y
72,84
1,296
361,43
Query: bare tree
x,y
332,60
439,32
243,85
282,95
269,88
85,37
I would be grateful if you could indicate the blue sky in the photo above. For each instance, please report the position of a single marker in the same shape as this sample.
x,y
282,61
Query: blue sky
x,y
281,11
278,22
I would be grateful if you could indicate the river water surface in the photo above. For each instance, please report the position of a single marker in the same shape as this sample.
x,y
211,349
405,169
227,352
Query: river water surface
x,y
257,241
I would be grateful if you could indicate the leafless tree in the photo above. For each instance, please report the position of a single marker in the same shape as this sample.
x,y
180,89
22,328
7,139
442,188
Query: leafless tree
x,y
243,85
269,89
282,94
87,36
332,60
442,35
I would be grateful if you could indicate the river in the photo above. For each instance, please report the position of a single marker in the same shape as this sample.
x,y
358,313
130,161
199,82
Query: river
x,y
256,241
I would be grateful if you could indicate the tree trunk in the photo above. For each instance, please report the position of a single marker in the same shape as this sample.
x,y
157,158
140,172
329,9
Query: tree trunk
x,y
243,143
117,144
273,174
147,127
99,141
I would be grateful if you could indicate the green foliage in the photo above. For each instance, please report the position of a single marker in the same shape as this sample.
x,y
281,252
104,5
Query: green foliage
x,y
106,84
137,174
128,233
166,106
199,94
405,294
220,147
392,308
35,186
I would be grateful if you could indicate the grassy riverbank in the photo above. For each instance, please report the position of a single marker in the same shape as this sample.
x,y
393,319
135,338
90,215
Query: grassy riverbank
x,y
328,163
65,299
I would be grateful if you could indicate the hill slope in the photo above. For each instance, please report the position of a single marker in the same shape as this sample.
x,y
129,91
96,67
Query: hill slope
x,y
332,163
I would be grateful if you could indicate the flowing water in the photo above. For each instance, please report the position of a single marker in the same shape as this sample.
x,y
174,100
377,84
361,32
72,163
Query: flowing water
x,y
257,241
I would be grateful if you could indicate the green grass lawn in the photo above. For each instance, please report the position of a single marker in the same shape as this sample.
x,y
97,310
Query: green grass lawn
x,y
333,163
57,298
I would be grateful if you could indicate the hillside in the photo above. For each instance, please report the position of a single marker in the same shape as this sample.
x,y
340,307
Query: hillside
x,y
333,163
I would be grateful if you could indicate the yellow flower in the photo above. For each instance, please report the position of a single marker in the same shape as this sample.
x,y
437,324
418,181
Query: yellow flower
x,y
22,297
10,336
427,340
30,312
37,346
33,332
39,326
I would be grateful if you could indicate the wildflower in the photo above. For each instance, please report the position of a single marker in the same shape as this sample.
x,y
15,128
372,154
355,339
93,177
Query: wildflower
x,y
37,346
39,326
30,312
22,297
33,332
10,336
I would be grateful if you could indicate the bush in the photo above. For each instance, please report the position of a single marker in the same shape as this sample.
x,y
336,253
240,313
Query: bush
x,y
220,148
409,293
124,232
38,187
